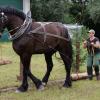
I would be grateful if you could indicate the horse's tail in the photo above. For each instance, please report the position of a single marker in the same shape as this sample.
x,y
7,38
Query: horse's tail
x,y
69,43
67,33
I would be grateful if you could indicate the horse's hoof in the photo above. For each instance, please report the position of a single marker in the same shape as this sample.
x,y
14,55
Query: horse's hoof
x,y
67,85
44,84
17,91
21,89
41,88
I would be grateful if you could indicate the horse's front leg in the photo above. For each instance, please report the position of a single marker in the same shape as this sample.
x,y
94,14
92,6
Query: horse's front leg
x,y
25,59
48,58
36,81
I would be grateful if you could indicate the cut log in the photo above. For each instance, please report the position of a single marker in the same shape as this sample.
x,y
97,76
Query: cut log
x,y
4,62
80,76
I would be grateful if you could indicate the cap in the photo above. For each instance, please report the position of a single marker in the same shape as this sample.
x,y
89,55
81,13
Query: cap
x,y
91,31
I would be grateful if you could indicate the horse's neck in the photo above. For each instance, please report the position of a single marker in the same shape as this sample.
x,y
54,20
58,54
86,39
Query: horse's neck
x,y
14,24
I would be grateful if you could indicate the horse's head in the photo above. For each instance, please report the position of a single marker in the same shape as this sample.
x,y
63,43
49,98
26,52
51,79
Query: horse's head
x,y
3,22
11,18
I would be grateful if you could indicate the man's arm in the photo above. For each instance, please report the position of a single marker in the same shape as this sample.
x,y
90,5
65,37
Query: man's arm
x,y
96,45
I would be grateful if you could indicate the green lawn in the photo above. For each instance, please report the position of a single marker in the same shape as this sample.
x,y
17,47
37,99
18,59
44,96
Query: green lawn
x,y
81,90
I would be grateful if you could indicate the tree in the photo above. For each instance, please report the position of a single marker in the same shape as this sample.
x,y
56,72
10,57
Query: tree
x,y
92,18
78,10
86,12
94,11
48,10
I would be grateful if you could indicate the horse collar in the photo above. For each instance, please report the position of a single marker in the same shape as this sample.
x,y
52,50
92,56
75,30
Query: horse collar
x,y
22,29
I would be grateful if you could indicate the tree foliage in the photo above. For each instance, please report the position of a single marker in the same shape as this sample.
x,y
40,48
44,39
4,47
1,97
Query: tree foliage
x,y
86,12
78,10
94,11
48,10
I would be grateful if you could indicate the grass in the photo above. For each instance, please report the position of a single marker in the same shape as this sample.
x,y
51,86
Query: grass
x,y
8,72
81,90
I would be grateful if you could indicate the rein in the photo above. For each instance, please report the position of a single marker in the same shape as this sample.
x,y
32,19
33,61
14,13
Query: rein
x,y
15,28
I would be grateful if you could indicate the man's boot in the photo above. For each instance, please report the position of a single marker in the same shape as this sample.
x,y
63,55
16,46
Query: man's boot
x,y
96,68
90,72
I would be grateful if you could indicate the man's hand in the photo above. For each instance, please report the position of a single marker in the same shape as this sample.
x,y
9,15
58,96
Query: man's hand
x,y
85,44
92,44
96,45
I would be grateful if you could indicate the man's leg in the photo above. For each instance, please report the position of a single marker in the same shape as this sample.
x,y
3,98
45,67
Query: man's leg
x,y
96,65
96,68
89,67
90,72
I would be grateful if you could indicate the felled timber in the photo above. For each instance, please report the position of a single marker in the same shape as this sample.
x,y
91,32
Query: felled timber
x,y
80,76
4,62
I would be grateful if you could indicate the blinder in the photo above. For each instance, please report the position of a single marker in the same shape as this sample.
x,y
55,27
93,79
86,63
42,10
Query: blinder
x,y
3,17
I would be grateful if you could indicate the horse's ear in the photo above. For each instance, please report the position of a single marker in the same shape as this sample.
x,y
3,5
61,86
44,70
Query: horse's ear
x,y
29,14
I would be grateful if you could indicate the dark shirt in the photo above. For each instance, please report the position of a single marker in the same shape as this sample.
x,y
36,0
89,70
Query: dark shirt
x,y
92,50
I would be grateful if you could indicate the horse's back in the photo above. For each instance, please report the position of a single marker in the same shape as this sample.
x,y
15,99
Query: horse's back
x,y
55,28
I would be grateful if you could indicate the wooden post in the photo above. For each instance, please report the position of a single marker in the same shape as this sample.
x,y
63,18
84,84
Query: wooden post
x,y
77,35
77,56
20,77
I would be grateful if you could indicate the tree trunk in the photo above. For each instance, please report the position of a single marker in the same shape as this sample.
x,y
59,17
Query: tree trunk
x,y
77,56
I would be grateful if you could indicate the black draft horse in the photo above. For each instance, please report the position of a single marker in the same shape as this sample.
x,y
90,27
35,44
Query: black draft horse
x,y
30,37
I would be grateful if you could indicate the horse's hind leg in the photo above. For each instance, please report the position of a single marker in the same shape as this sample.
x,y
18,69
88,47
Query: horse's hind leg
x,y
48,58
67,62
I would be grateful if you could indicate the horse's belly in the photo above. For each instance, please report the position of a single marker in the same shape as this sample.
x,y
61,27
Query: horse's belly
x,y
39,49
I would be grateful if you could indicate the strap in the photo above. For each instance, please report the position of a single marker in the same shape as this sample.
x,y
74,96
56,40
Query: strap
x,y
52,35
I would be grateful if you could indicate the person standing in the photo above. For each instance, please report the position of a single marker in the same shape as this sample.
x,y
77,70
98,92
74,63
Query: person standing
x,y
93,60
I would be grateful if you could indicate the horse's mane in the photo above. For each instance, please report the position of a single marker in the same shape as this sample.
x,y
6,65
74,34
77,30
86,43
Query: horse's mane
x,y
13,11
